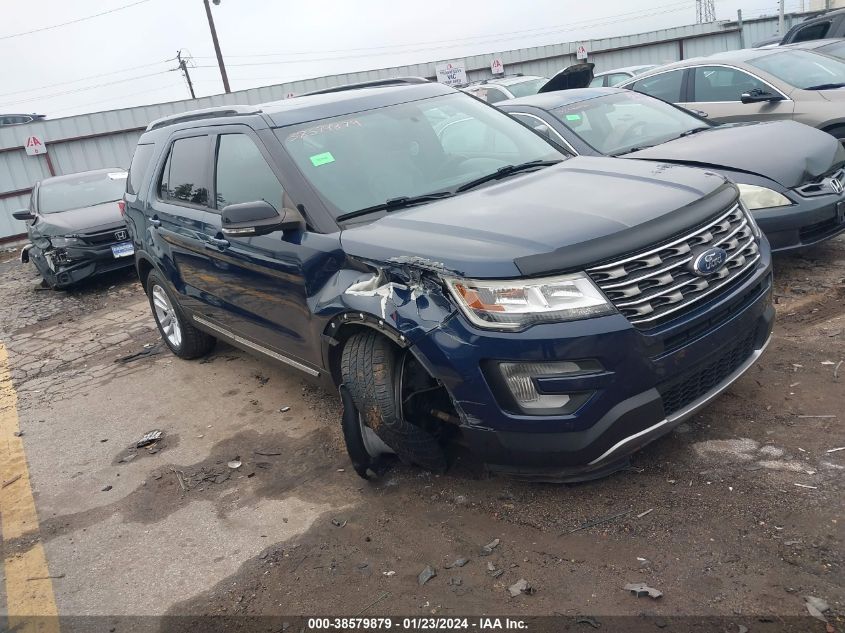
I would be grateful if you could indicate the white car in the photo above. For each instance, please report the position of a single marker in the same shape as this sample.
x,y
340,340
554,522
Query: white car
x,y
610,78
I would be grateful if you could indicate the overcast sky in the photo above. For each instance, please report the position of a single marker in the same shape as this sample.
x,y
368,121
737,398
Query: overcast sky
x,y
122,57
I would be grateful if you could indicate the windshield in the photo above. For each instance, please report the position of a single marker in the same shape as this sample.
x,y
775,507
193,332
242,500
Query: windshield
x,y
802,69
618,123
527,88
85,190
410,149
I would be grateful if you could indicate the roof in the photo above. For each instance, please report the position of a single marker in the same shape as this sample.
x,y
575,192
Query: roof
x,y
740,56
813,44
77,175
558,98
508,81
626,69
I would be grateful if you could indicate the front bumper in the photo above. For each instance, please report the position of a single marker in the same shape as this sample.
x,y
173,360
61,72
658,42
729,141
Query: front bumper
x,y
78,263
652,380
807,222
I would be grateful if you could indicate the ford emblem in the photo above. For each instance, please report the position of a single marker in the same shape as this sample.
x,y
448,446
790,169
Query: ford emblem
x,y
709,261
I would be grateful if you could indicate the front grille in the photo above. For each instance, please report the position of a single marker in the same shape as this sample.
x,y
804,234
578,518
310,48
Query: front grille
x,y
695,383
105,237
658,285
832,183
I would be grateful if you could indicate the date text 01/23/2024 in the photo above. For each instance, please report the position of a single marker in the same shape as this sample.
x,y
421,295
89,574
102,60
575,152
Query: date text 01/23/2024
x,y
414,624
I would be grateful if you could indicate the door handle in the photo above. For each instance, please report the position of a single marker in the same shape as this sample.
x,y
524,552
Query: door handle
x,y
214,242
155,223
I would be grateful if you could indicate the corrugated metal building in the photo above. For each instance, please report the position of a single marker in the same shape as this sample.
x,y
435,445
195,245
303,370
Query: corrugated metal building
x,y
107,139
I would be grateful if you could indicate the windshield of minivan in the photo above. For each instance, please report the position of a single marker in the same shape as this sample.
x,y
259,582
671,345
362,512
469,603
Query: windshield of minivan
x,y
620,122
802,69
83,191
363,159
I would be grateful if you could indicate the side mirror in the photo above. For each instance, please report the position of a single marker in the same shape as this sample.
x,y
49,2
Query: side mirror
x,y
758,96
248,219
542,128
698,113
23,214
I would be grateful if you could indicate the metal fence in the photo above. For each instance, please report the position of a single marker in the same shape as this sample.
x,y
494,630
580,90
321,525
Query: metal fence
x,y
107,139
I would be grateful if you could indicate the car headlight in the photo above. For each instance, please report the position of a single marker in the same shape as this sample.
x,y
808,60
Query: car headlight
x,y
516,304
755,197
61,242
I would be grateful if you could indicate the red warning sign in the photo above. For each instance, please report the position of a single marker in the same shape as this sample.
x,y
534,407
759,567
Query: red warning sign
x,y
35,146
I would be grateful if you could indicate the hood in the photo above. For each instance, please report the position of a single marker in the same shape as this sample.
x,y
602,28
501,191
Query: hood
x,y
85,220
756,148
575,76
560,218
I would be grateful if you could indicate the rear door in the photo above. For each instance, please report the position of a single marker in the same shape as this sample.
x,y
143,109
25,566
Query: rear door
x,y
260,283
179,211
718,90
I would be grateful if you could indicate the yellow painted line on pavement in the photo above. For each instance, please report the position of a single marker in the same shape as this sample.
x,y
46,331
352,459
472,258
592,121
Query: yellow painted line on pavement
x,y
30,602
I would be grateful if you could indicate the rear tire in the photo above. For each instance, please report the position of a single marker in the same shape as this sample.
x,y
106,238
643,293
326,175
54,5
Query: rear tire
x,y
176,331
369,366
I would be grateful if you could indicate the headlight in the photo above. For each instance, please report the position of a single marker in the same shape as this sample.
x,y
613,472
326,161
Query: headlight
x,y
516,304
61,242
756,197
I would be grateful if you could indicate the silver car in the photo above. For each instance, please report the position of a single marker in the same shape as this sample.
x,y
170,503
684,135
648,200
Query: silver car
x,y
755,85
616,76
832,47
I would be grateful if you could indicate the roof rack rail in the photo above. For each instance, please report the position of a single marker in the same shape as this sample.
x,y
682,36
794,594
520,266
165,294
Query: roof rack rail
x,y
205,113
393,81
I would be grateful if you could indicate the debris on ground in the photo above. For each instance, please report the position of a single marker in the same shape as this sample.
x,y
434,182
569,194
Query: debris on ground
x,y
520,586
234,464
491,567
388,573
642,514
835,450
18,433
339,523
488,549
595,522
426,574
268,452
144,353
592,622
106,488
9,482
816,607
458,562
455,581
640,589
372,604
284,409
262,380
807,486
150,438
51,577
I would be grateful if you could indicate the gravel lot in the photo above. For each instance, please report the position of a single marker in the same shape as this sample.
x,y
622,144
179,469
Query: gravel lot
x,y
738,513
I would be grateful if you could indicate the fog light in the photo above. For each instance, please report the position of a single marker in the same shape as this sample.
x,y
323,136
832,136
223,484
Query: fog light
x,y
519,379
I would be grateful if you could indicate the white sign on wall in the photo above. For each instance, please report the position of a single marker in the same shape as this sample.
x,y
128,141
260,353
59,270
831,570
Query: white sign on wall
x,y
34,146
581,52
452,73
497,67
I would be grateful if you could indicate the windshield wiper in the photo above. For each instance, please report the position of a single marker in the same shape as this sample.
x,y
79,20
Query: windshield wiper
x,y
401,202
694,130
826,86
507,170
631,150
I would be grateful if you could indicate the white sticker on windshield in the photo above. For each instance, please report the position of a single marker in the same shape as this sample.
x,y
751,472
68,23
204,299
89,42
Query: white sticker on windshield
x,y
117,175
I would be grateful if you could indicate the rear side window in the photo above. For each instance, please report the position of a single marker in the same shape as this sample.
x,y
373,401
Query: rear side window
x,y
812,32
243,174
597,82
138,167
185,175
666,86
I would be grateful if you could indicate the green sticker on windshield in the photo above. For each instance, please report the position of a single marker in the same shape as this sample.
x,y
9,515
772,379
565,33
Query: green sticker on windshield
x,y
573,117
322,159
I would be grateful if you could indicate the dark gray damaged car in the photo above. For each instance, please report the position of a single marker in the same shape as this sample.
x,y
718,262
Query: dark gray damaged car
x,y
75,226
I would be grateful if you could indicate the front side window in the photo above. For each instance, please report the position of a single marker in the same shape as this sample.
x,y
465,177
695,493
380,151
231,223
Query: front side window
x,y
803,69
717,83
617,123
243,174
528,87
666,86
81,190
186,172
361,160
617,78
494,95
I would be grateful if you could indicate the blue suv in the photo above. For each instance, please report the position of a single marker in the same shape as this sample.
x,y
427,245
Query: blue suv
x,y
460,280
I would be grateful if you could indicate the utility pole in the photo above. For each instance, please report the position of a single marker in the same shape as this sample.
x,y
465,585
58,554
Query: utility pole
x,y
780,17
705,11
740,27
184,66
217,45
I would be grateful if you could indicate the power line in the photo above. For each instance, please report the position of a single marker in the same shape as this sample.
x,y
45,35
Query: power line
x,y
73,81
120,97
548,30
68,92
77,20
